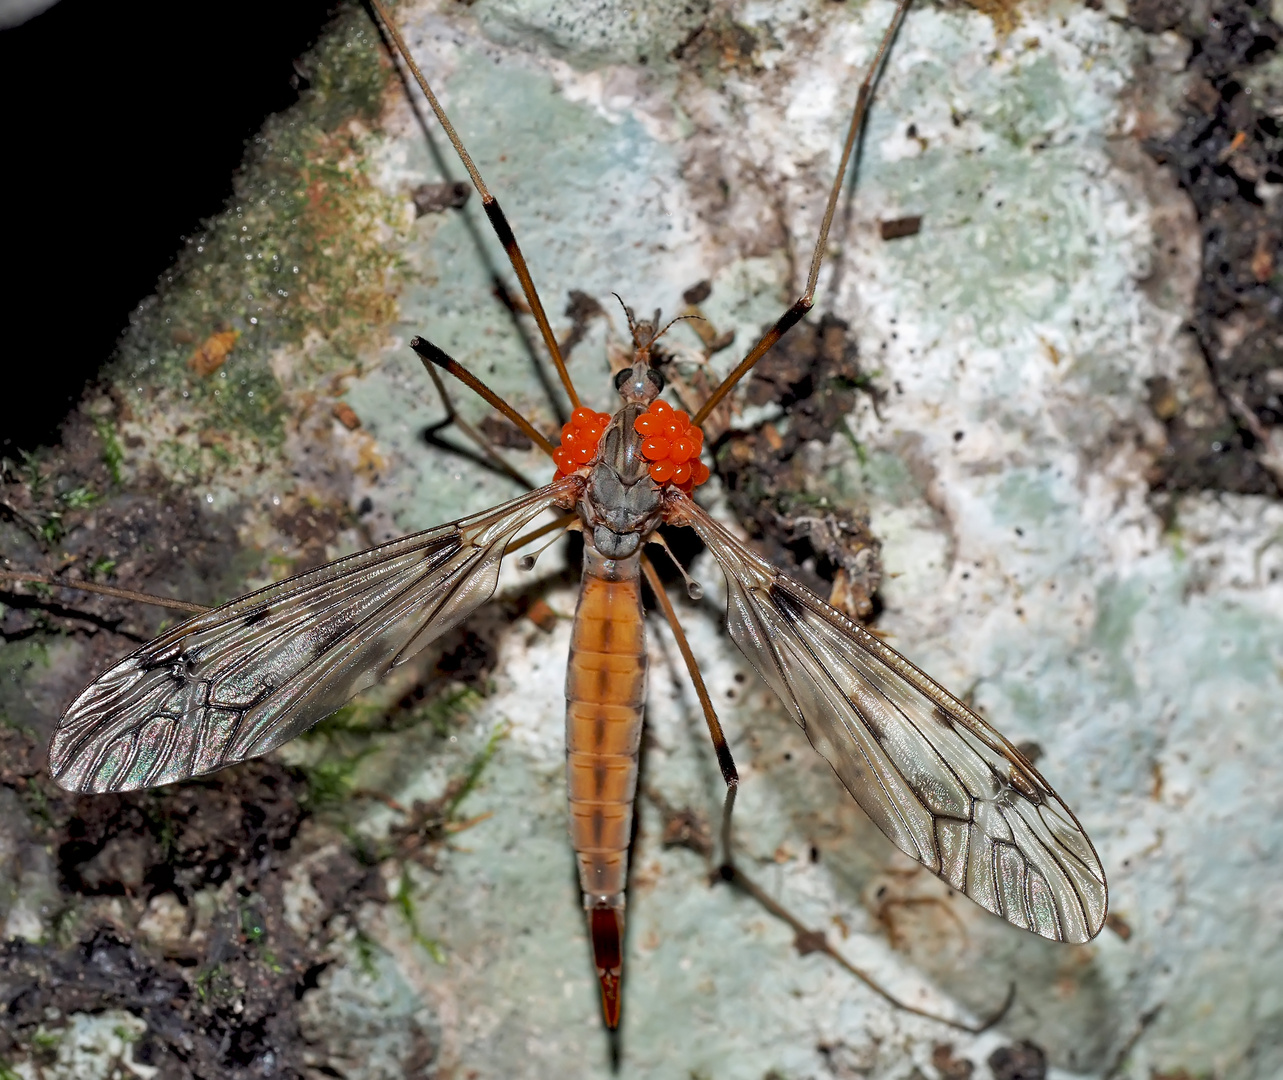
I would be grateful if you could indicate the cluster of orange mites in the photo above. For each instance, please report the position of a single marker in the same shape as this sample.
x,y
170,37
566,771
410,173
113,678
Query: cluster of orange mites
x,y
670,444
579,439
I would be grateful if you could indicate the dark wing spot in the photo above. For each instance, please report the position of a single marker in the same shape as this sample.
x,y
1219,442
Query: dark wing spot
x,y
942,716
166,658
257,615
786,604
1024,784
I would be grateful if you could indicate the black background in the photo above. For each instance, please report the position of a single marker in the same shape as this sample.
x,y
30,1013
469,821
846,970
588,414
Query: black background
x,y
123,125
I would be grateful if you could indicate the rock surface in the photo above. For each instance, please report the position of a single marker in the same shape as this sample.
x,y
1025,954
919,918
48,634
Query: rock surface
x,y
408,878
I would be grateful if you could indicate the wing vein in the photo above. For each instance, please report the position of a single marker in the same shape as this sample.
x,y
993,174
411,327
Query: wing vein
x,y
240,680
936,778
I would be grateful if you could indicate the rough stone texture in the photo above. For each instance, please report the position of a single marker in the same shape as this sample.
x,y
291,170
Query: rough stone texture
x,y
1005,462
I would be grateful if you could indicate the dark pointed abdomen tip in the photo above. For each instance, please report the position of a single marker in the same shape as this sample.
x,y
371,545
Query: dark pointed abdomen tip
x,y
606,929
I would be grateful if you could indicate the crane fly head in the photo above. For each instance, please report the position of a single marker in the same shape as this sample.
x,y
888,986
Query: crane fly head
x,y
642,382
639,382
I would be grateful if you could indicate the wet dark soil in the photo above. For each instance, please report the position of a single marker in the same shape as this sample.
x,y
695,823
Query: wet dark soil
x,y
220,990
171,903
813,376
1228,157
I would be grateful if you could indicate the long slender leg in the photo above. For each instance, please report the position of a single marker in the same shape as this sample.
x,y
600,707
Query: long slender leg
x,y
169,602
563,522
806,939
498,284
431,354
803,303
497,220
105,590
483,444
724,760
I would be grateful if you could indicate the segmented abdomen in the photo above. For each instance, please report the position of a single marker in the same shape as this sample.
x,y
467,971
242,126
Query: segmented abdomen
x,y
605,693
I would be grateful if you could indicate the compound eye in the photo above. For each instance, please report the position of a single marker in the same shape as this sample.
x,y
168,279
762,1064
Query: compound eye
x,y
622,376
657,378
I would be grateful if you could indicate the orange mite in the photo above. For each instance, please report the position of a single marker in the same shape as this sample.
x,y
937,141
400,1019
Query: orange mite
x,y
669,442
672,446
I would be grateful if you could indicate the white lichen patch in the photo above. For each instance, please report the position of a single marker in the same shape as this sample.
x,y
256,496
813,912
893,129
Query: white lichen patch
x,y
84,1046
164,922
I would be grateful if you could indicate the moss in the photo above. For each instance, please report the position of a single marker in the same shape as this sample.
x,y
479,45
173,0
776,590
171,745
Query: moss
x,y
46,1040
113,455
32,475
79,498
298,251
445,711
51,531
475,768
405,903
370,714
216,986
365,949
65,926
254,926
330,781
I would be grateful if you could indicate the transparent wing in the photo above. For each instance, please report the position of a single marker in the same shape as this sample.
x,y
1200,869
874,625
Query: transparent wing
x,y
244,678
939,781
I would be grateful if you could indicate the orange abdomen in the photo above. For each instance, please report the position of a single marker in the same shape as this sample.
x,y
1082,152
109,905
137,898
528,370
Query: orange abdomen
x,y
605,693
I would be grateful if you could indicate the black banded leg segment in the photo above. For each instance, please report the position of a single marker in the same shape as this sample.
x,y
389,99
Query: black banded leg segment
x,y
726,868
782,326
499,285
803,304
497,219
431,354
805,939
492,457
509,241
724,760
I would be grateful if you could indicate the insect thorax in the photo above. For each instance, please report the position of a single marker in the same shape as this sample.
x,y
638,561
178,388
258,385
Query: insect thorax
x,y
621,503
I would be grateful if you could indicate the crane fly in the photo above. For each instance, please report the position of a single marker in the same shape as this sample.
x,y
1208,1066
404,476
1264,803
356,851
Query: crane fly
x,y
240,680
